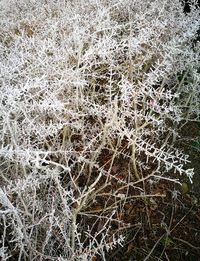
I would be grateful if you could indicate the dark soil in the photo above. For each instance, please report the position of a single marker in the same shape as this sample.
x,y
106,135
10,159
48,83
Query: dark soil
x,y
167,228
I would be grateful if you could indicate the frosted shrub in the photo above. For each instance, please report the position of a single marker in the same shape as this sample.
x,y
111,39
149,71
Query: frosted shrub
x,y
92,96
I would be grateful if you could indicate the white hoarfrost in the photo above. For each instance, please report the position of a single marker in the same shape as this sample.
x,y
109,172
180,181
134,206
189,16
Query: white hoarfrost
x,y
79,79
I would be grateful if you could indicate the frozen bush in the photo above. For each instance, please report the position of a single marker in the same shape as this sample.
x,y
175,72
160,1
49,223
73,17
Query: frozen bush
x,y
85,84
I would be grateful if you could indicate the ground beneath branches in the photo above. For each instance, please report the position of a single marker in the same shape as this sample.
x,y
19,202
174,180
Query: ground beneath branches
x,y
166,228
